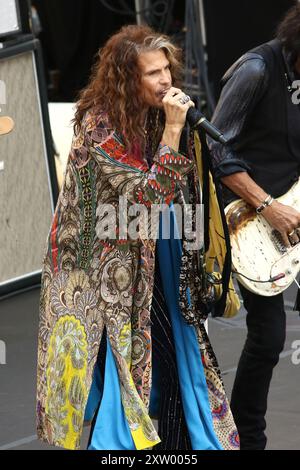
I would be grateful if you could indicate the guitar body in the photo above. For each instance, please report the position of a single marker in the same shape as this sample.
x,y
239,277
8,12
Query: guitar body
x,y
257,249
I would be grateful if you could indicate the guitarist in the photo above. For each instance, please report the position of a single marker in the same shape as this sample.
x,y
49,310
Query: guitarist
x,y
259,113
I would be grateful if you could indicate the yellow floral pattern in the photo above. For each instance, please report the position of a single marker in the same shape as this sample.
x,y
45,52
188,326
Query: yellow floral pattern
x,y
67,392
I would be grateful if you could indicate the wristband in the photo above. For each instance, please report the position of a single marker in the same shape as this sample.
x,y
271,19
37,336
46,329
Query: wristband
x,y
267,202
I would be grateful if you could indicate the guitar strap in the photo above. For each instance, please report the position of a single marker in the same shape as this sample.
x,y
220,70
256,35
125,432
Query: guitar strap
x,y
216,234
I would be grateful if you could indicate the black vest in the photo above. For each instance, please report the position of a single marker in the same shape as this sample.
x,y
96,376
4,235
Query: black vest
x,y
270,143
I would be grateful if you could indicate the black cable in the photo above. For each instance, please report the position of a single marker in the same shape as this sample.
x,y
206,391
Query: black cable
x,y
128,11
155,5
124,5
195,54
167,19
188,46
200,55
272,279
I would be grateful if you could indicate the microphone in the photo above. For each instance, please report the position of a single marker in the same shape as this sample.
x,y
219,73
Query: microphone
x,y
196,119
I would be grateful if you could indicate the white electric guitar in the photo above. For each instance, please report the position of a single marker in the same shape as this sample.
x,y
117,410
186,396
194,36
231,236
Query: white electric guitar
x,y
266,266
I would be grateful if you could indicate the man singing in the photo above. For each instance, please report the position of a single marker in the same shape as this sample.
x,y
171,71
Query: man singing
x,y
113,342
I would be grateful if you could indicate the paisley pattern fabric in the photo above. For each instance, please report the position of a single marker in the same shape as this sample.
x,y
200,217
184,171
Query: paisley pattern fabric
x,y
223,422
90,281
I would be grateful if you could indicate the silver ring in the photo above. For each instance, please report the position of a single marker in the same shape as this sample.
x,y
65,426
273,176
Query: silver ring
x,y
292,233
185,99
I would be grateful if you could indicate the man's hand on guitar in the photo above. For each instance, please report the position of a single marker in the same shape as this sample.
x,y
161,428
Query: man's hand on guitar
x,y
285,219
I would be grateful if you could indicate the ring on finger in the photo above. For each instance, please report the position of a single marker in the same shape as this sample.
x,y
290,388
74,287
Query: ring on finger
x,y
185,99
291,233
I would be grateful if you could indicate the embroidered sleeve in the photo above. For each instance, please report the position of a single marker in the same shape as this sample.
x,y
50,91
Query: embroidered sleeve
x,y
134,179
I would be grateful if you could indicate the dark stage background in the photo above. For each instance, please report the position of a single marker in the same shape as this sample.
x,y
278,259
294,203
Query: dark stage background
x,y
235,26
73,30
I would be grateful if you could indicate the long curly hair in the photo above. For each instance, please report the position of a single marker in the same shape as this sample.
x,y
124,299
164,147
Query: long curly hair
x,y
288,31
115,81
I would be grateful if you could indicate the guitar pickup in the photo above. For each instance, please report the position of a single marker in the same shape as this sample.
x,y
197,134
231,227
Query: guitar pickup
x,y
278,242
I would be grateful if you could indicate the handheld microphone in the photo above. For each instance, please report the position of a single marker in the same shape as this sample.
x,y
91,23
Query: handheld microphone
x,y
196,119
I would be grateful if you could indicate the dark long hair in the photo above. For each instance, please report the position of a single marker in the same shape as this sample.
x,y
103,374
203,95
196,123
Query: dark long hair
x,y
288,31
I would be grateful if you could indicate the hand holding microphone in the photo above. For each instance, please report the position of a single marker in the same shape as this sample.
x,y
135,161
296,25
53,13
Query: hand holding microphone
x,y
179,108
176,104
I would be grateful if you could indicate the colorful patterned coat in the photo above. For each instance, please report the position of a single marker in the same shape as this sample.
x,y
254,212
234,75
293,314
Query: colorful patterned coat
x,y
89,283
